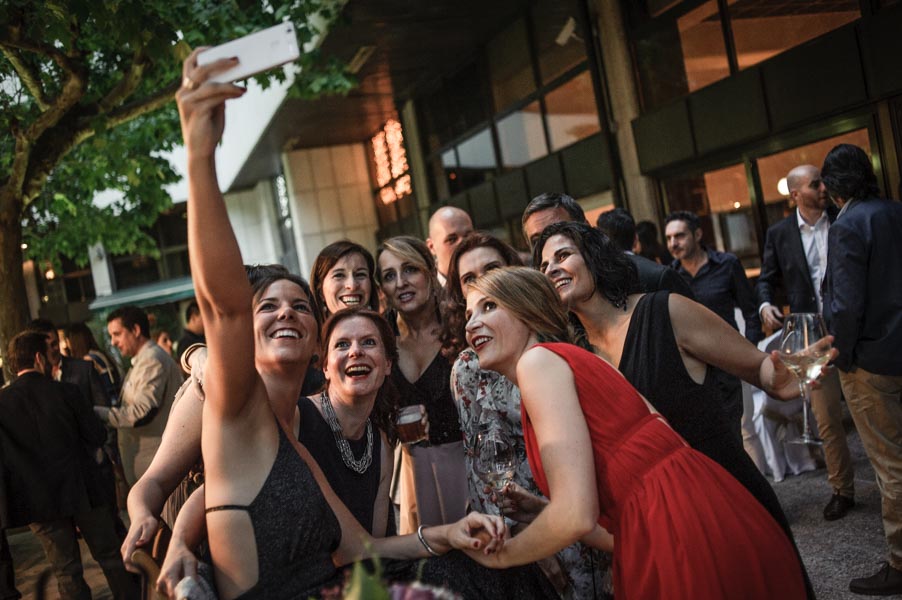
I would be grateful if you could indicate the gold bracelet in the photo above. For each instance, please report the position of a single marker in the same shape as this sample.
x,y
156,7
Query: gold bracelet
x,y
423,541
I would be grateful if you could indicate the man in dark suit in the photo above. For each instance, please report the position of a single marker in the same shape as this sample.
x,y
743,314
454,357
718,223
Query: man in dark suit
x,y
49,439
795,259
618,224
863,309
72,370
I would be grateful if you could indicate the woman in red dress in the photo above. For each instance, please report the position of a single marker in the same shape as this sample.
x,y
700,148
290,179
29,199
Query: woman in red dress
x,y
615,472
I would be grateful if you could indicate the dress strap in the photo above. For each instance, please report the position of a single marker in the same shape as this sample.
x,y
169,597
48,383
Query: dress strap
x,y
227,507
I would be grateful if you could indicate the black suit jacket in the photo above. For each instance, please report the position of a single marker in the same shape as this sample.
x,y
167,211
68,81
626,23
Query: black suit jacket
x,y
785,267
48,435
654,277
863,286
83,374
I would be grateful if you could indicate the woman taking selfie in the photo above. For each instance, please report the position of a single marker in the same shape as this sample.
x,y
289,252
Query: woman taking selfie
x,y
275,527
433,477
682,527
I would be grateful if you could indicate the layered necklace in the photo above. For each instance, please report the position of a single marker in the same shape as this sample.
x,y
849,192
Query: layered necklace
x,y
344,448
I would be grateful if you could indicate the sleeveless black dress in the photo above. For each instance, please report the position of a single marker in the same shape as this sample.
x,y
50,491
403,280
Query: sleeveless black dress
x,y
357,490
651,362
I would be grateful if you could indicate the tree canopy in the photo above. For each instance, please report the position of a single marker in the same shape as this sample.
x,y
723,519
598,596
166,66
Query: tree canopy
x,y
86,92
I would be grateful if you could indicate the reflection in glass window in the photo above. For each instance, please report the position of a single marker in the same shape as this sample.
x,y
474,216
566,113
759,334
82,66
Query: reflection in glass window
x,y
763,28
444,174
522,137
571,111
679,56
476,159
560,41
721,200
772,170
510,67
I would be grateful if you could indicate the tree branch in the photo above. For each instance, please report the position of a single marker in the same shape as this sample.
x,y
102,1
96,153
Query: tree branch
x,y
129,111
127,85
11,36
30,78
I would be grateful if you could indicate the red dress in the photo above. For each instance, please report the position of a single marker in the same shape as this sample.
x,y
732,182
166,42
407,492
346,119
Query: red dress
x,y
683,526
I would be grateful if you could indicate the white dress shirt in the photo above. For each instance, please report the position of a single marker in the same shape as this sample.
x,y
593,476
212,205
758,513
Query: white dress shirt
x,y
814,243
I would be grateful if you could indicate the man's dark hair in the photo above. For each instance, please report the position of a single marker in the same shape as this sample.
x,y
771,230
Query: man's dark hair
x,y
690,218
23,347
848,174
44,326
131,316
618,224
615,274
554,200
191,310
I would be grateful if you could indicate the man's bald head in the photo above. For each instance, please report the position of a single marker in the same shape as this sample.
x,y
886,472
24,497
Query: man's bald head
x,y
447,227
805,189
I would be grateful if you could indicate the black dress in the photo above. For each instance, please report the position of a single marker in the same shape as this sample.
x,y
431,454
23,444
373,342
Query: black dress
x,y
433,390
357,490
652,363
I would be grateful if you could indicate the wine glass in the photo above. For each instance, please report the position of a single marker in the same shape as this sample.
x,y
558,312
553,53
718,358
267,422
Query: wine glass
x,y
495,460
805,353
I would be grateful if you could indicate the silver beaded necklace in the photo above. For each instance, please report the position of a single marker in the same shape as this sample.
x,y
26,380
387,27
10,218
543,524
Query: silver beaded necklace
x,y
344,448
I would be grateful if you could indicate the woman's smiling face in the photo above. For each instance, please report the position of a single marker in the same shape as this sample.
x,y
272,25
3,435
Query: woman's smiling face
x,y
284,326
564,266
497,336
356,362
347,283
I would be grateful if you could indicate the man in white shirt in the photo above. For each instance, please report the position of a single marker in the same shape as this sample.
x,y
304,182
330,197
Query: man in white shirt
x,y
795,259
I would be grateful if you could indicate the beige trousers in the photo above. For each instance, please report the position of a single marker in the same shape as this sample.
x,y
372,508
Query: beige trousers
x,y
827,408
875,402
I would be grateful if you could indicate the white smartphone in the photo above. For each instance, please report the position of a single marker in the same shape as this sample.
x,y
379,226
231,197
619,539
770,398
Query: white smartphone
x,y
257,52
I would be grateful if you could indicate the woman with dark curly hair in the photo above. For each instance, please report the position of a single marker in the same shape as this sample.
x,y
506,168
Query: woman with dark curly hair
x,y
663,344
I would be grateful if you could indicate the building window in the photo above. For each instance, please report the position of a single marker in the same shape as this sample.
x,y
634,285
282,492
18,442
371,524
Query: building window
x,y
476,157
772,170
510,66
763,28
521,136
676,56
559,38
571,112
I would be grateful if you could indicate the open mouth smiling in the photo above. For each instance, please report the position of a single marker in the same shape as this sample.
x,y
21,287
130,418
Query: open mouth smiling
x,y
351,299
479,341
286,333
358,370
406,296
562,282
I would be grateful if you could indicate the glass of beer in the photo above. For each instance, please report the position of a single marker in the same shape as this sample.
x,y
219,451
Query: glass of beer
x,y
412,424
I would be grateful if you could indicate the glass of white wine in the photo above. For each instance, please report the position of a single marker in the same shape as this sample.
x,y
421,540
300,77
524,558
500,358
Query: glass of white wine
x,y
495,460
805,352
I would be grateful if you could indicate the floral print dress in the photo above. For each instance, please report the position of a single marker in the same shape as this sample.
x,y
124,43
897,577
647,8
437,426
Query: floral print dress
x,y
483,397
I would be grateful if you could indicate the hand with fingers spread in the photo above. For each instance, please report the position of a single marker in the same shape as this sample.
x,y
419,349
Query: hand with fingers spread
x,y
201,104
139,534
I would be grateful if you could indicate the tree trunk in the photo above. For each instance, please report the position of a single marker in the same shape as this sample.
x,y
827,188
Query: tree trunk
x,y
13,303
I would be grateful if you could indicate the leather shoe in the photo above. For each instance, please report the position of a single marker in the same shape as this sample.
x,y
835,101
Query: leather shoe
x,y
885,582
838,507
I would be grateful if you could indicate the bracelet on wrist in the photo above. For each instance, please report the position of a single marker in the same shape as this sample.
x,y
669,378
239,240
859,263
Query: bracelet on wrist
x,y
423,541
